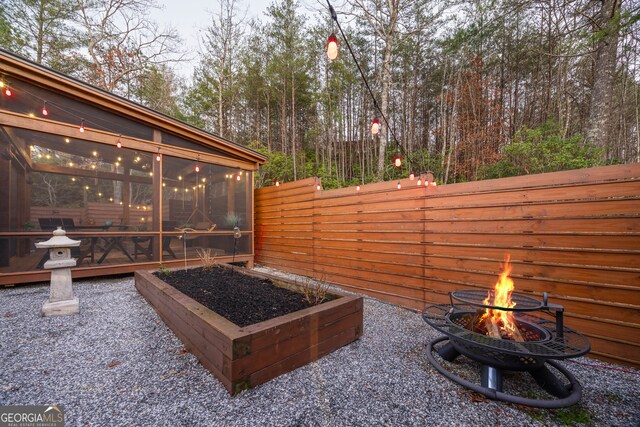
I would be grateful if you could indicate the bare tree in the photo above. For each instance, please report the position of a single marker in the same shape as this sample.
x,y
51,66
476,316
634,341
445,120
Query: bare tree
x,y
392,21
222,59
121,41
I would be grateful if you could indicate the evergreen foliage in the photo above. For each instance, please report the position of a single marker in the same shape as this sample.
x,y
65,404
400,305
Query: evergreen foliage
x,y
471,87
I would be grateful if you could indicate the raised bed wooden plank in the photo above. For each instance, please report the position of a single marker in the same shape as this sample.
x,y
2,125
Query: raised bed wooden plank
x,y
244,357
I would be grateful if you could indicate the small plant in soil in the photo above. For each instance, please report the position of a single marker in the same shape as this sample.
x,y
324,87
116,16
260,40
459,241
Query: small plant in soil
x,y
314,293
207,260
163,271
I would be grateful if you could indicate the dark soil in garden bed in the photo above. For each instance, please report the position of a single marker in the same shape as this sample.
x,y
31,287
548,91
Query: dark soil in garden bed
x,y
242,299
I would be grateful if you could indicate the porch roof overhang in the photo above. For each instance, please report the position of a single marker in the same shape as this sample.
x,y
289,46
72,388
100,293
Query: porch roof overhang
x,y
36,74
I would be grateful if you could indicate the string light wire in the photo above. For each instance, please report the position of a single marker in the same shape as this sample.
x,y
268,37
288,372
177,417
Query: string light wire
x,y
334,16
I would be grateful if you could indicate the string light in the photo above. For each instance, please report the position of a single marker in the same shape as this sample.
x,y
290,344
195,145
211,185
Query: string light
x,y
67,140
7,91
277,183
334,17
81,129
197,165
397,161
399,185
375,126
158,158
419,182
357,188
412,176
318,187
45,112
238,177
119,143
332,47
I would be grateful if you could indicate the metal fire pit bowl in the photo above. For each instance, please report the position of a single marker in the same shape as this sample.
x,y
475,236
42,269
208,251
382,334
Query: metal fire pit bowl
x,y
546,340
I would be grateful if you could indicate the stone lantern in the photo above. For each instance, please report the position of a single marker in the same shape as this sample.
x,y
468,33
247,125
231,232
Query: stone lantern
x,y
61,299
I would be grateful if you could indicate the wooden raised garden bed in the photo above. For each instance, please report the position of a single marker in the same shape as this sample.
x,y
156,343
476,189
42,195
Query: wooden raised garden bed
x,y
243,357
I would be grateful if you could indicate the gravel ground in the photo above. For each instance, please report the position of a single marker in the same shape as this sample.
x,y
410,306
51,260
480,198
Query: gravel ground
x,y
117,364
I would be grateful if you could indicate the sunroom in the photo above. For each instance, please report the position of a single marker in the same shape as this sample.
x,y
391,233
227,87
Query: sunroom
x,y
136,187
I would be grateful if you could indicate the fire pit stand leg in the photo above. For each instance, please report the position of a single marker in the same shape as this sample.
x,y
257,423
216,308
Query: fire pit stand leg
x,y
574,391
549,382
491,378
448,352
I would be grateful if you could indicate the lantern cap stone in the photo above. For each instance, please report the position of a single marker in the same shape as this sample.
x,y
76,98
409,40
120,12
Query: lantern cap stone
x,y
59,240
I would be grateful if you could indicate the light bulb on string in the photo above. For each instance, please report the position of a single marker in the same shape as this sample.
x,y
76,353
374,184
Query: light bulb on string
x,y
197,168
238,177
158,157
1,84
399,185
277,183
332,47
357,188
318,187
81,129
419,183
8,91
412,176
397,161
119,143
375,126
45,112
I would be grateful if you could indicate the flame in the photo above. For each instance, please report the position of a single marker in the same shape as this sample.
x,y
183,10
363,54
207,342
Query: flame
x,y
502,298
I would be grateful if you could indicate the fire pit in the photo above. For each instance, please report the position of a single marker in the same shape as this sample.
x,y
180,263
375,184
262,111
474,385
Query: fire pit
x,y
498,330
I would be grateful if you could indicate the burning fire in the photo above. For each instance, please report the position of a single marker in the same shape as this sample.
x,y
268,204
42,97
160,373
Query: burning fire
x,y
500,322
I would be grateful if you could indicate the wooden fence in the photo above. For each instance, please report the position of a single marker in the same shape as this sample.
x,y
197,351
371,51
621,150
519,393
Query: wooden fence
x,y
96,213
573,234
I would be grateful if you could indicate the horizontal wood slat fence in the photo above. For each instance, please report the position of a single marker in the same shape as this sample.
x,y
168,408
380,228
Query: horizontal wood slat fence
x,y
573,234
96,213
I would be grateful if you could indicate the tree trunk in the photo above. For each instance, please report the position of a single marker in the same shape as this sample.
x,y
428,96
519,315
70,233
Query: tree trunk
x,y
40,41
293,124
384,105
599,121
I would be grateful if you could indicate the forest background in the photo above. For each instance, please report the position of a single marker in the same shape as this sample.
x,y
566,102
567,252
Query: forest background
x,y
471,89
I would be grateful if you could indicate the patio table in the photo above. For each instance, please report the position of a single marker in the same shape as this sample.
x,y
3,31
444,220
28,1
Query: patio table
x,y
115,242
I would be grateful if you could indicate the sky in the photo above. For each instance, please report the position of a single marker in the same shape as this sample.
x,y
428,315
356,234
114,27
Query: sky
x,y
191,17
